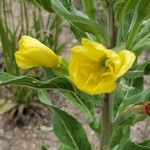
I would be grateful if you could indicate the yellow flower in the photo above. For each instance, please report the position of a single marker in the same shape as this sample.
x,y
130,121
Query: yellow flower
x,y
33,53
94,69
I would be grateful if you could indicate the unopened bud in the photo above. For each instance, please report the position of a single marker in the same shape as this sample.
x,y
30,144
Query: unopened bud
x,y
142,108
147,108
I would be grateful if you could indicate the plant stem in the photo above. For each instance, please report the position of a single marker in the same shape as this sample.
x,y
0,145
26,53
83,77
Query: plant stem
x,y
112,27
107,108
106,124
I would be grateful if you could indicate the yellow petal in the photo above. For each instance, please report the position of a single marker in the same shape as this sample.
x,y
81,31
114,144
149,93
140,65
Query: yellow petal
x,y
87,74
33,53
91,44
113,61
27,42
127,60
94,50
105,87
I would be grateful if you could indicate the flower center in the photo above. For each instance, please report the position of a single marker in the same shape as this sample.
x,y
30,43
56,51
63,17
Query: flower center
x,y
102,61
105,66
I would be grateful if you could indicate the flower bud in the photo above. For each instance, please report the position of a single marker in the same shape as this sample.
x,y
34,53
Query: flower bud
x,y
33,53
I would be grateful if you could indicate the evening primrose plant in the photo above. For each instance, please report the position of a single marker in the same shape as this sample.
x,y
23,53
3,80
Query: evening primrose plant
x,y
102,73
21,105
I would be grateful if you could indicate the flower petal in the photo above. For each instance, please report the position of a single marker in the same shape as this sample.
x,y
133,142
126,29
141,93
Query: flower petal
x,y
94,50
87,74
34,58
27,42
105,87
33,53
127,60
113,61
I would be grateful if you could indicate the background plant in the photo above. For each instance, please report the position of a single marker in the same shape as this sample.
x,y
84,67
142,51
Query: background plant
x,y
127,28
12,27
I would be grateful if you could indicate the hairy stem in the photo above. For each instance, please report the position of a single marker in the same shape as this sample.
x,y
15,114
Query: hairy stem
x,y
107,108
112,27
106,124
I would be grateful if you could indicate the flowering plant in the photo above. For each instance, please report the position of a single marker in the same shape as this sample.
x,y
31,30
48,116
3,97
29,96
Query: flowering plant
x,y
107,77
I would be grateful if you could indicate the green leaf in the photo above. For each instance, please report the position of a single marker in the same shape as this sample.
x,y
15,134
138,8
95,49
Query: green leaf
x,y
8,43
147,70
62,68
82,104
46,4
123,29
137,86
129,89
121,140
144,29
128,118
144,66
62,84
118,97
7,106
79,34
64,147
54,83
116,137
85,103
133,146
96,100
141,45
134,74
122,7
67,4
143,96
143,8
145,143
139,16
44,97
125,138
139,70
43,147
64,9
69,131
90,8
120,137
79,20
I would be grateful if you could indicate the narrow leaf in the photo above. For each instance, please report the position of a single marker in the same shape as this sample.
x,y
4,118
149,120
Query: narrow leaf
x,y
90,8
69,131
44,97
7,106
54,83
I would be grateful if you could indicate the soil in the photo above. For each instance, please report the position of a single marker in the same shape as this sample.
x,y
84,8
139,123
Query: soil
x,y
32,136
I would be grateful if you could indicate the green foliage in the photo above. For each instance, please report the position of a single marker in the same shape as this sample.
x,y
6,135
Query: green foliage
x,y
11,29
90,8
7,106
124,134
54,83
8,42
46,4
133,146
69,131
81,103
123,7
43,147
78,19
130,16
44,97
